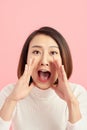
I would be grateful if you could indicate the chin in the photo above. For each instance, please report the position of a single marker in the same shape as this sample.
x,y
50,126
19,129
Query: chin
x,y
41,86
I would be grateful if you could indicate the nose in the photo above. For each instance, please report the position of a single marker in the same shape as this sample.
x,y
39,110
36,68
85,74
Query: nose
x,y
44,61
44,64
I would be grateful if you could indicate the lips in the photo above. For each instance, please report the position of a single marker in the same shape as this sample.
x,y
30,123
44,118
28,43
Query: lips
x,y
44,75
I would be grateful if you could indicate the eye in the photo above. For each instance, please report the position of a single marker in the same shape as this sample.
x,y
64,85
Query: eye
x,y
36,52
53,53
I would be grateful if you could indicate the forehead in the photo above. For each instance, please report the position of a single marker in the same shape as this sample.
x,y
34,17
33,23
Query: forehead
x,y
43,40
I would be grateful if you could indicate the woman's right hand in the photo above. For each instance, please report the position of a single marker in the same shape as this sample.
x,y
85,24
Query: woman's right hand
x,y
22,88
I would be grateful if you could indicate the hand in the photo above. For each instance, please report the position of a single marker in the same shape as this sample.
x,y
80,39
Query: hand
x,y
22,88
62,89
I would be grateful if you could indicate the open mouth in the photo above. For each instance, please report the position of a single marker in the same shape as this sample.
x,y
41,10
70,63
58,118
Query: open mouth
x,y
44,75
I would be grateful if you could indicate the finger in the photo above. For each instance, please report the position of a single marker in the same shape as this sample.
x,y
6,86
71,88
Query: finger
x,y
30,70
56,63
64,76
54,86
30,80
25,71
58,69
31,67
32,85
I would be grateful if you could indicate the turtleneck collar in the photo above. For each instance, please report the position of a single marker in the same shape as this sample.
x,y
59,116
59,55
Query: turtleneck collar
x,y
42,94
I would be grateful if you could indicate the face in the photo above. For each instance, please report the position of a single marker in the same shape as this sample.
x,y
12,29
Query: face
x,y
43,49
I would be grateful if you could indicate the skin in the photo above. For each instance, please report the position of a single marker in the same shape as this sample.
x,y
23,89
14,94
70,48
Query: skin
x,y
43,54
42,49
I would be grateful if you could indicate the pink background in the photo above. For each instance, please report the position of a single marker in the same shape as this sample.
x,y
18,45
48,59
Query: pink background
x,y
19,17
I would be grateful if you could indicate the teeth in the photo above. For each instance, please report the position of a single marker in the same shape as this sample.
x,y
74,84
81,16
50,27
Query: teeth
x,y
44,70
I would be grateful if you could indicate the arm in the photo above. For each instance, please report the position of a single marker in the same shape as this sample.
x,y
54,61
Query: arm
x,y
7,109
20,91
74,110
80,124
63,90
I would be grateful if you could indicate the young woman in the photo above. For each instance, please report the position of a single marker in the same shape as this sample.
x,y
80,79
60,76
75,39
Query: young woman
x,y
43,98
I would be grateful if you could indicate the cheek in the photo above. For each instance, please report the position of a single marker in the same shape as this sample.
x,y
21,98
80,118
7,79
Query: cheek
x,y
58,60
54,68
36,65
33,57
29,57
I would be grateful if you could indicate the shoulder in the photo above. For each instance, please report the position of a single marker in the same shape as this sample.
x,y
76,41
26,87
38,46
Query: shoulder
x,y
75,87
78,89
6,90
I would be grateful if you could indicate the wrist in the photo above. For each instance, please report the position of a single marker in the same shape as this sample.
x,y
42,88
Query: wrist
x,y
72,101
74,110
11,99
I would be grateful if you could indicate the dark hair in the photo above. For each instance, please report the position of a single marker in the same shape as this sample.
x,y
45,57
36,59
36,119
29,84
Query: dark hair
x,y
60,40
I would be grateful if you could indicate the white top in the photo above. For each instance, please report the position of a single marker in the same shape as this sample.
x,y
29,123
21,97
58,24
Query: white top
x,y
44,110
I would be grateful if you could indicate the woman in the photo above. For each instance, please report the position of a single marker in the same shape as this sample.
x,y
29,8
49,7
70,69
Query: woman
x,y
43,98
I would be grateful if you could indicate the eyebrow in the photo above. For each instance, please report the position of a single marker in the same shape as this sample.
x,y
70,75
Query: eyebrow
x,y
41,46
36,46
54,46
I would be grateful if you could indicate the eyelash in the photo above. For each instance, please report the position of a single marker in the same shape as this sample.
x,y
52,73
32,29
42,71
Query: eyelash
x,y
53,52
36,52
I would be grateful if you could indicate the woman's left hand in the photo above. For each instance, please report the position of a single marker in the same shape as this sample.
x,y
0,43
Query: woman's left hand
x,y
63,89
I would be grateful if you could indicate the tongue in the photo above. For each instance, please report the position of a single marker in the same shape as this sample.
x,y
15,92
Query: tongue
x,y
44,75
